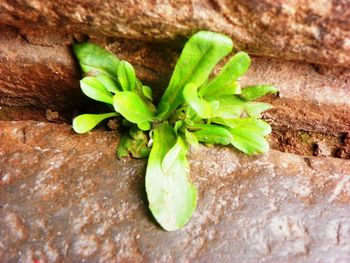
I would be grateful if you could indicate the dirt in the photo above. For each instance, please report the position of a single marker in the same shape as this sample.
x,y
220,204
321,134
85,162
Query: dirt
x,y
307,143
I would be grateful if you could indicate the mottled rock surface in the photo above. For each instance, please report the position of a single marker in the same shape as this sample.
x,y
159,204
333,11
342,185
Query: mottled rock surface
x,y
315,31
66,197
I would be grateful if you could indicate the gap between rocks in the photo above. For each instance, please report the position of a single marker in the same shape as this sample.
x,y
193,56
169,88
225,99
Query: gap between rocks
x,y
283,139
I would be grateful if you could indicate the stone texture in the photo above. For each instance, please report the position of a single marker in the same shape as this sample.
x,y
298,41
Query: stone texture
x,y
37,75
315,31
66,197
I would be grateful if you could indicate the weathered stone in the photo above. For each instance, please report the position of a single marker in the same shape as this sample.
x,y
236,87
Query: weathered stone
x,y
66,197
43,76
315,31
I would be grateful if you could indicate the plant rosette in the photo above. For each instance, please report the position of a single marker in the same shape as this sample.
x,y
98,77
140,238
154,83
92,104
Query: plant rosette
x,y
193,109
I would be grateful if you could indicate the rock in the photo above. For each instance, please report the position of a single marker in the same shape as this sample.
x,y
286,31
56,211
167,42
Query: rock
x,y
313,31
76,201
42,76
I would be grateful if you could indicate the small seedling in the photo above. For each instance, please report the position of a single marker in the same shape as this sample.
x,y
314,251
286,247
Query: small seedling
x,y
193,109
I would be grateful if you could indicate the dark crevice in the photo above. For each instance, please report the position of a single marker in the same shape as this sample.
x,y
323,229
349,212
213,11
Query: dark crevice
x,y
299,142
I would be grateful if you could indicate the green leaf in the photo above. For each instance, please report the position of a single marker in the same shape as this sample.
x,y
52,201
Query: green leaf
x,y
229,107
171,195
144,125
123,147
95,58
126,76
108,83
254,109
226,79
213,134
200,106
248,141
198,58
137,146
147,92
255,92
178,126
86,122
253,124
232,106
133,108
95,90
191,139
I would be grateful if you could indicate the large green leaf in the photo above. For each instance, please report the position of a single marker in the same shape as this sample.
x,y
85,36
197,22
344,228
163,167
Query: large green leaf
x,y
95,90
200,106
226,79
86,122
95,58
172,197
133,108
255,92
198,58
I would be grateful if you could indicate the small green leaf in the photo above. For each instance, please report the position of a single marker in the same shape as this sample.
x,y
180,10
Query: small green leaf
x,y
95,90
191,139
255,92
226,79
133,108
178,126
198,58
108,83
86,122
136,146
137,134
213,134
200,106
248,141
126,76
95,58
147,92
172,197
122,149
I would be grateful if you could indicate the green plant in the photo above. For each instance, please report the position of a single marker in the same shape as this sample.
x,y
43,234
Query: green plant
x,y
194,109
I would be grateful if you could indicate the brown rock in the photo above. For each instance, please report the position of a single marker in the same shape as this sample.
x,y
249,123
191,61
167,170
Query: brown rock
x,y
42,76
315,31
76,201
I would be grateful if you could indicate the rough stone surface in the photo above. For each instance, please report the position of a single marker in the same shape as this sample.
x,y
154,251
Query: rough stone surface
x,y
315,31
37,75
66,197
